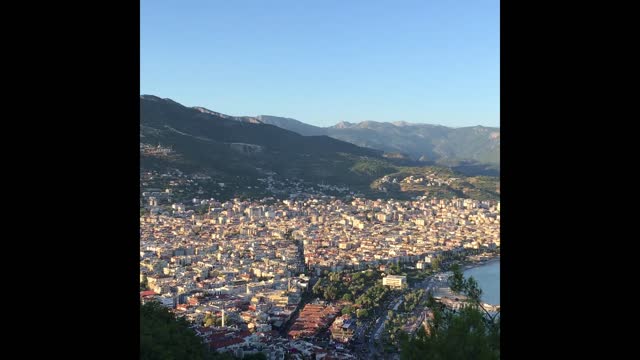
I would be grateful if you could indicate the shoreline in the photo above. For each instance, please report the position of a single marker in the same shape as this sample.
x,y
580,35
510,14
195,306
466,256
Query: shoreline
x,y
444,288
473,265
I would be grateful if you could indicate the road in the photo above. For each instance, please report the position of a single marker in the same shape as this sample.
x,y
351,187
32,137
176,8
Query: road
x,y
430,284
378,327
375,335
369,335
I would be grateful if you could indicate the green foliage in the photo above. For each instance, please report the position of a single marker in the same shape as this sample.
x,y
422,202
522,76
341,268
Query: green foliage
x,y
456,282
347,310
374,296
362,313
417,275
472,290
464,186
318,289
463,335
338,285
412,299
372,167
330,292
468,287
217,320
144,285
466,334
207,146
209,320
394,269
162,336
201,209
436,264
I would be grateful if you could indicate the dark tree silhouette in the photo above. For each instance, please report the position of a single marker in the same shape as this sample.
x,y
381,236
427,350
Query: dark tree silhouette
x,y
456,282
466,334
163,336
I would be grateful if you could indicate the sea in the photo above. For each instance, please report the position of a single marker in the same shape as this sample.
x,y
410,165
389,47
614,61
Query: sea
x,y
488,277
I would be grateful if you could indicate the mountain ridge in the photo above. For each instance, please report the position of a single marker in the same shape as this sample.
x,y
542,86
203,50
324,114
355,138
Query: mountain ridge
x,y
447,145
205,140
246,153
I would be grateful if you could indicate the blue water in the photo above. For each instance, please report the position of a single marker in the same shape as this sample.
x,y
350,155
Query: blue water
x,y
488,277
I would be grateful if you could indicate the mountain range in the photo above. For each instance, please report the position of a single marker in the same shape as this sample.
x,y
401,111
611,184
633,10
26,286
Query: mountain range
x,y
423,142
204,140
243,150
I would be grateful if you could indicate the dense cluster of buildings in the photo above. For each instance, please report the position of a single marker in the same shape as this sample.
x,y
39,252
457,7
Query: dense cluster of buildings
x,y
428,179
158,150
175,185
275,347
360,233
243,262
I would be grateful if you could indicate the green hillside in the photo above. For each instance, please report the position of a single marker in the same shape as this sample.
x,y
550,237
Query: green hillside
x,y
239,151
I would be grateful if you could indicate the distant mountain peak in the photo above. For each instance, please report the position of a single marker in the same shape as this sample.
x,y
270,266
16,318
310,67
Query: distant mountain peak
x,y
343,125
159,99
150,97
429,142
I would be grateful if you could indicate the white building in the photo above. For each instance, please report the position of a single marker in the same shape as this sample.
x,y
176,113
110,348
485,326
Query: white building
x,y
396,281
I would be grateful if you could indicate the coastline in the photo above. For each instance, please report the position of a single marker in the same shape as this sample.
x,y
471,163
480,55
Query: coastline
x,y
475,264
488,261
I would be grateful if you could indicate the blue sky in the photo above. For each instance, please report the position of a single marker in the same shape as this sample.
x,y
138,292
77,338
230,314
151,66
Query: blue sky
x,y
325,61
